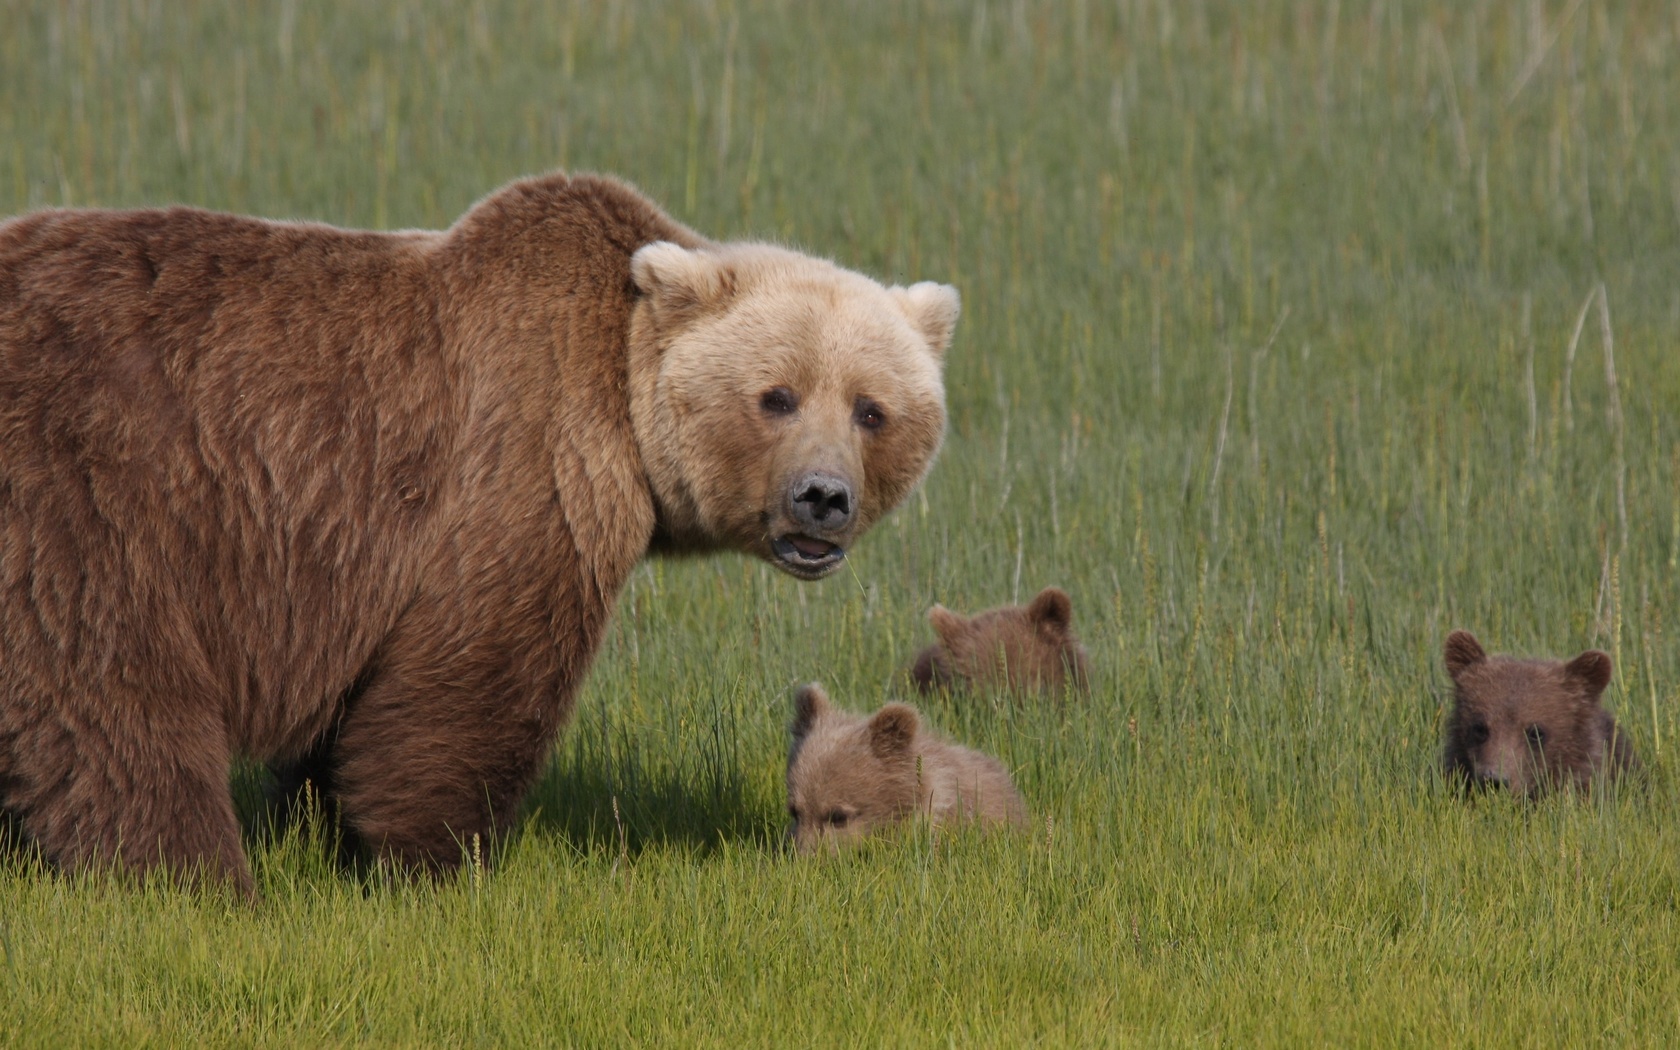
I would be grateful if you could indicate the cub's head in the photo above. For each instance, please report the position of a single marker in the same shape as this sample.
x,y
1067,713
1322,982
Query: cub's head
x,y
1023,648
782,404
1524,725
848,775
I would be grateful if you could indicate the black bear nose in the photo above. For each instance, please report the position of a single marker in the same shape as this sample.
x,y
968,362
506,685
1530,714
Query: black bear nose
x,y
822,501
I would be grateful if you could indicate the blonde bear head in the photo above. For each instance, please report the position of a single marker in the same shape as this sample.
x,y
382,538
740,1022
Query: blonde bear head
x,y
781,404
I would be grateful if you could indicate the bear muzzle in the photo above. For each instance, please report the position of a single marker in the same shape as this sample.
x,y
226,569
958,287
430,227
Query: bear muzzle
x,y
1509,779
822,507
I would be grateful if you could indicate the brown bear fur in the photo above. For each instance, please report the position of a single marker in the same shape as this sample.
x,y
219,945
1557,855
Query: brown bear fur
x,y
1020,648
849,775
360,503
1530,725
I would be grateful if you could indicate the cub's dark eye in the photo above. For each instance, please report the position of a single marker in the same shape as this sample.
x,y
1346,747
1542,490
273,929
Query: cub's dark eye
x,y
1478,733
778,401
868,414
793,813
838,819
1536,735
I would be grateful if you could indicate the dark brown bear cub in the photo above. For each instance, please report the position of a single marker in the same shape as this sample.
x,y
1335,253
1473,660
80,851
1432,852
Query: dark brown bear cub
x,y
1021,648
1530,725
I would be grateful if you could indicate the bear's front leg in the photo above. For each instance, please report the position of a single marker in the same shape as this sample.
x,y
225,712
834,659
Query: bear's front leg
x,y
444,742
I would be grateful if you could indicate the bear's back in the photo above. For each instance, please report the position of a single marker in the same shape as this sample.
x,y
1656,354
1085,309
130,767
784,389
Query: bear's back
x,y
197,415
966,784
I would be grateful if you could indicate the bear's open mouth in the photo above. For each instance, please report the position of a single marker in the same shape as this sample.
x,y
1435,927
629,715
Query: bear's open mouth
x,y
807,557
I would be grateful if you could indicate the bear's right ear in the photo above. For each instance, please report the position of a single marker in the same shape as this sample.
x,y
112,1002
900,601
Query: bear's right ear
x,y
892,729
1052,609
949,626
681,283
809,704
932,309
1462,652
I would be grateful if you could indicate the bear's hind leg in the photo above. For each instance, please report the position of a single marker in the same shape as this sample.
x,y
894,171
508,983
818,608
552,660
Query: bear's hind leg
x,y
142,796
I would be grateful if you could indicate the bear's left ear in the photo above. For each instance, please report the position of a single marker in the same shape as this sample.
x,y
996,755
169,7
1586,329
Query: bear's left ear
x,y
1592,669
932,309
681,283
949,626
809,704
1052,609
892,729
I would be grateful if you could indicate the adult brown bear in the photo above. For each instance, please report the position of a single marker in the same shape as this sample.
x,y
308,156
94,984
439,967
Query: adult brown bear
x,y
364,500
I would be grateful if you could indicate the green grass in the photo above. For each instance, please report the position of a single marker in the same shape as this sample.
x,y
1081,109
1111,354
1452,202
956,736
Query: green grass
x,y
1269,357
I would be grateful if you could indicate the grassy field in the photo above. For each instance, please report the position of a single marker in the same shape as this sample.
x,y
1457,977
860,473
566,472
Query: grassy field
x,y
1295,334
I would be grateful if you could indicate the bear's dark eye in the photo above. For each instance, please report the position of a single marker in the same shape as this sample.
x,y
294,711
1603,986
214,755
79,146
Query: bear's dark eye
x,y
1536,735
868,414
778,401
1478,733
838,819
793,812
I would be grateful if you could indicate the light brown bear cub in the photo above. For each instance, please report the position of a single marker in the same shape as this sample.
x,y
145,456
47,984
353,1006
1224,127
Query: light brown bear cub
x,y
1022,648
1530,725
849,775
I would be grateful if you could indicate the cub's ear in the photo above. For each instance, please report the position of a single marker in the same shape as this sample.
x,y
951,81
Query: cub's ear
x,y
1462,652
1592,669
892,729
681,283
949,626
1052,609
932,310
809,704
924,673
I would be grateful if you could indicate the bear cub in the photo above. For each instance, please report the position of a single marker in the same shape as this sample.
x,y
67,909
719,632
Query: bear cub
x,y
1020,648
1530,726
849,774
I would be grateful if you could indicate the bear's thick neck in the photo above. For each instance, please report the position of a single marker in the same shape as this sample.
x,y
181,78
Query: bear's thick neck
x,y
541,300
